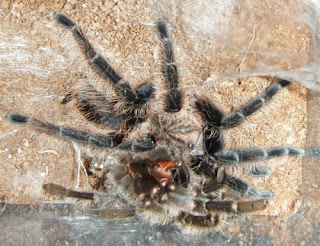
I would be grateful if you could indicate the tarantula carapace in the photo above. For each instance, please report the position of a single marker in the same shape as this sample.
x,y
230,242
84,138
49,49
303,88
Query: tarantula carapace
x,y
157,170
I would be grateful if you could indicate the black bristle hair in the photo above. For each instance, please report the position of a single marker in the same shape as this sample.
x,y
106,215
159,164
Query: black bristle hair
x,y
63,20
17,118
162,29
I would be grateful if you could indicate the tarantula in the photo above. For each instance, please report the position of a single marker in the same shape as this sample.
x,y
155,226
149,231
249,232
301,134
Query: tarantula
x,y
157,170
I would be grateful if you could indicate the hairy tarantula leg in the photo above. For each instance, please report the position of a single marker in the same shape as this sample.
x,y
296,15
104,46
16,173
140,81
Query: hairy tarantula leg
x,y
209,113
174,95
59,190
137,98
245,189
221,178
212,221
236,207
212,116
95,59
201,166
194,223
122,87
148,142
96,108
259,172
235,156
238,116
106,141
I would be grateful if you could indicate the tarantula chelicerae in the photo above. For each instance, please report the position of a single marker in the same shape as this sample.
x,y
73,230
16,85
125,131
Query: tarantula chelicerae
x,y
157,170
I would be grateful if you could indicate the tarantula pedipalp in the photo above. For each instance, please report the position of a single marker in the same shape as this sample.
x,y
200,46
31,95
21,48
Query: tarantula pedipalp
x,y
158,172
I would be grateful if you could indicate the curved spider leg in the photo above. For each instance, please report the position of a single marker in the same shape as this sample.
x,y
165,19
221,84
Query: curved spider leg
x,y
246,190
59,190
96,108
198,223
201,166
174,95
231,206
219,178
214,220
131,98
145,143
259,172
212,116
94,59
238,116
96,140
235,156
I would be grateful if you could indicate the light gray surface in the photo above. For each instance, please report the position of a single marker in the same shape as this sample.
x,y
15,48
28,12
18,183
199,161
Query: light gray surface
x,y
66,228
